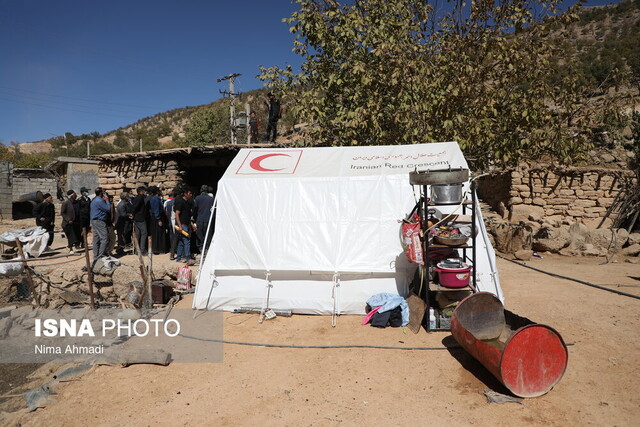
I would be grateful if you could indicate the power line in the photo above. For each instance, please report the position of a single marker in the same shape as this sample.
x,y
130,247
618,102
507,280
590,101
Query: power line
x,y
55,103
67,109
79,99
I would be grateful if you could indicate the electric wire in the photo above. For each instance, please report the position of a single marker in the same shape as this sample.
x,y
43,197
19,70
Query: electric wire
x,y
76,99
67,109
571,278
318,347
47,102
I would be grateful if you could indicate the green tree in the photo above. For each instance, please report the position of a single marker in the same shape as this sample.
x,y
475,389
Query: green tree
x,y
209,125
400,71
121,140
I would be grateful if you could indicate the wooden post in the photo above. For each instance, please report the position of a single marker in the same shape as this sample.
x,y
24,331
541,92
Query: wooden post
x,y
143,273
32,290
89,269
150,276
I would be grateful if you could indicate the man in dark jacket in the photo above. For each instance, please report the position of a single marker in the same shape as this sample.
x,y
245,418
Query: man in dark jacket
x,y
140,213
68,213
84,211
204,202
156,221
184,207
275,113
45,217
123,223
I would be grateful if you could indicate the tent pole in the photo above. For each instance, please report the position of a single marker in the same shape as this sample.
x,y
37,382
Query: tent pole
x,y
336,298
265,302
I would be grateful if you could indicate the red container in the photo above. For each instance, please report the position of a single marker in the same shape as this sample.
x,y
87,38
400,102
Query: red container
x,y
528,358
451,277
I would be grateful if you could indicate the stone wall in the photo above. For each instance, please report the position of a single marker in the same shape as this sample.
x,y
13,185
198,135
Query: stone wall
x,y
116,175
578,194
6,192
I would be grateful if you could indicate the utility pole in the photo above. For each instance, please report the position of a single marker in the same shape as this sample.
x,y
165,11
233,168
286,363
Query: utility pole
x,y
232,106
247,110
66,144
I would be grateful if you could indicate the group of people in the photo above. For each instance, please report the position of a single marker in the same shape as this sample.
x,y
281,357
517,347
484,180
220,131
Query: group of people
x,y
173,224
75,212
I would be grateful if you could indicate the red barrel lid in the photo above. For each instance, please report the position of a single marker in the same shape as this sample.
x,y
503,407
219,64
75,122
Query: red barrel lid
x,y
533,360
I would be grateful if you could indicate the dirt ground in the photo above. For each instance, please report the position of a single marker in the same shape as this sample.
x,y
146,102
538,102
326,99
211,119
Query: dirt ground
x,y
260,385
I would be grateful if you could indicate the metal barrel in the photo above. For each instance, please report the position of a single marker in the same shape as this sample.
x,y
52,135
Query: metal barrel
x,y
528,358
36,196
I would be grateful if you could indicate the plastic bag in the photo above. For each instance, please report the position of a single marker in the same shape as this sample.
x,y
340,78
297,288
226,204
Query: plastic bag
x,y
411,239
184,278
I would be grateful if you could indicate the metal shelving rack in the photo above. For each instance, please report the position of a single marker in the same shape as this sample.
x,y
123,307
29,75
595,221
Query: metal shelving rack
x,y
468,251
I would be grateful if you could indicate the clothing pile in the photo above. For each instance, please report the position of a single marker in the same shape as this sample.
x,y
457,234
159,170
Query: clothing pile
x,y
387,310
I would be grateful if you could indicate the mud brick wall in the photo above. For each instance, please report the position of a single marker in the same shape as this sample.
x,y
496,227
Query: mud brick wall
x,y
582,194
6,192
114,176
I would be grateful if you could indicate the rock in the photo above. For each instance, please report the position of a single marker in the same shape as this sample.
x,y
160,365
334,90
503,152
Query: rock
x,y
553,220
526,212
579,234
591,250
631,260
633,250
607,158
593,223
501,210
569,251
509,238
634,238
5,326
551,239
604,239
524,255
121,279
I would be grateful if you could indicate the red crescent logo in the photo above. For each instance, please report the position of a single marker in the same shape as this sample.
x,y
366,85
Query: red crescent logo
x,y
255,163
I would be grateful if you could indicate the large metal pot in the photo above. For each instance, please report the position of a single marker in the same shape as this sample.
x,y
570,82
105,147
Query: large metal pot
x,y
442,194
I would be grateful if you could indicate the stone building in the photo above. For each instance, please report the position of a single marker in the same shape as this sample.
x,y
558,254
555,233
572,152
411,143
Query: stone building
x,y
167,169
74,173
6,190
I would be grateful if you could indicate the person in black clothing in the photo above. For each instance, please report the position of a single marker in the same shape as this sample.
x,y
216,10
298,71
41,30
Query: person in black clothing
x,y
184,207
77,227
254,128
123,223
204,202
140,213
69,217
46,215
156,220
275,113
170,220
84,212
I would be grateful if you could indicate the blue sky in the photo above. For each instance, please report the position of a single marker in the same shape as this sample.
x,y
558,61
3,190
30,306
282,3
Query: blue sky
x,y
84,66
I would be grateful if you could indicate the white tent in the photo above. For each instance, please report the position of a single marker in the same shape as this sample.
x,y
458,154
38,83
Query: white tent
x,y
316,230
